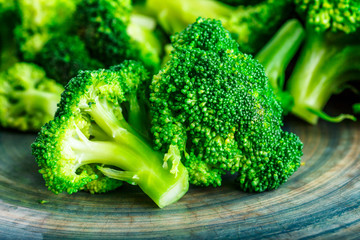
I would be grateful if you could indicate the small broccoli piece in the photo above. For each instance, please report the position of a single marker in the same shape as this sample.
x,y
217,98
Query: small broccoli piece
x,y
251,26
276,55
63,56
214,103
112,33
94,125
40,21
331,51
28,99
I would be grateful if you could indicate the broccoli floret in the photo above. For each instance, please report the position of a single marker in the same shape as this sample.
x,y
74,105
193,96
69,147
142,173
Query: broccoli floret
x,y
28,98
63,56
331,51
94,125
251,26
276,55
40,21
215,104
112,33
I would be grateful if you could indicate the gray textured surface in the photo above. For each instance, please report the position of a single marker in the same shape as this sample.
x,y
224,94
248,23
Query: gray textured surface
x,y
321,200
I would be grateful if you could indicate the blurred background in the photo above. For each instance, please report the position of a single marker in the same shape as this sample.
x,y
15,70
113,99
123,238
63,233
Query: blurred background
x,y
310,48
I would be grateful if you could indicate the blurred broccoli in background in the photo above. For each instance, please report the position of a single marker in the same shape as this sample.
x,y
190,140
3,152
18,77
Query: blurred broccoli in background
x,y
28,99
328,60
251,25
242,2
330,55
63,56
112,34
41,20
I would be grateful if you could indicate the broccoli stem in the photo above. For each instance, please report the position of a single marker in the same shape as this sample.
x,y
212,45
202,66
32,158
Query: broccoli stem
x,y
175,15
279,51
319,72
276,56
128,151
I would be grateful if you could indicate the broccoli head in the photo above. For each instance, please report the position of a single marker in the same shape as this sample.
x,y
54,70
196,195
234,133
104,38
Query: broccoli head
x,y
28,97
63,56
94,136
215,104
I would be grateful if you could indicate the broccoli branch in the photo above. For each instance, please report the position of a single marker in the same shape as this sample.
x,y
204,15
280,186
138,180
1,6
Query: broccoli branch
x,y
320,71
276,56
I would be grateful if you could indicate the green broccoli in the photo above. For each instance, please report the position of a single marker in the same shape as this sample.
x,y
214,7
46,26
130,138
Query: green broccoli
x,y
215,104
28,99
97,123
63,56
112,33
251,26
331,51
40,21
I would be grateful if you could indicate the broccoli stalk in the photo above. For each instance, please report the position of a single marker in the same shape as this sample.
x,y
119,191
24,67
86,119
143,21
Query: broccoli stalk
x,y
127,150
276,56
321,70
251,26
92,139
